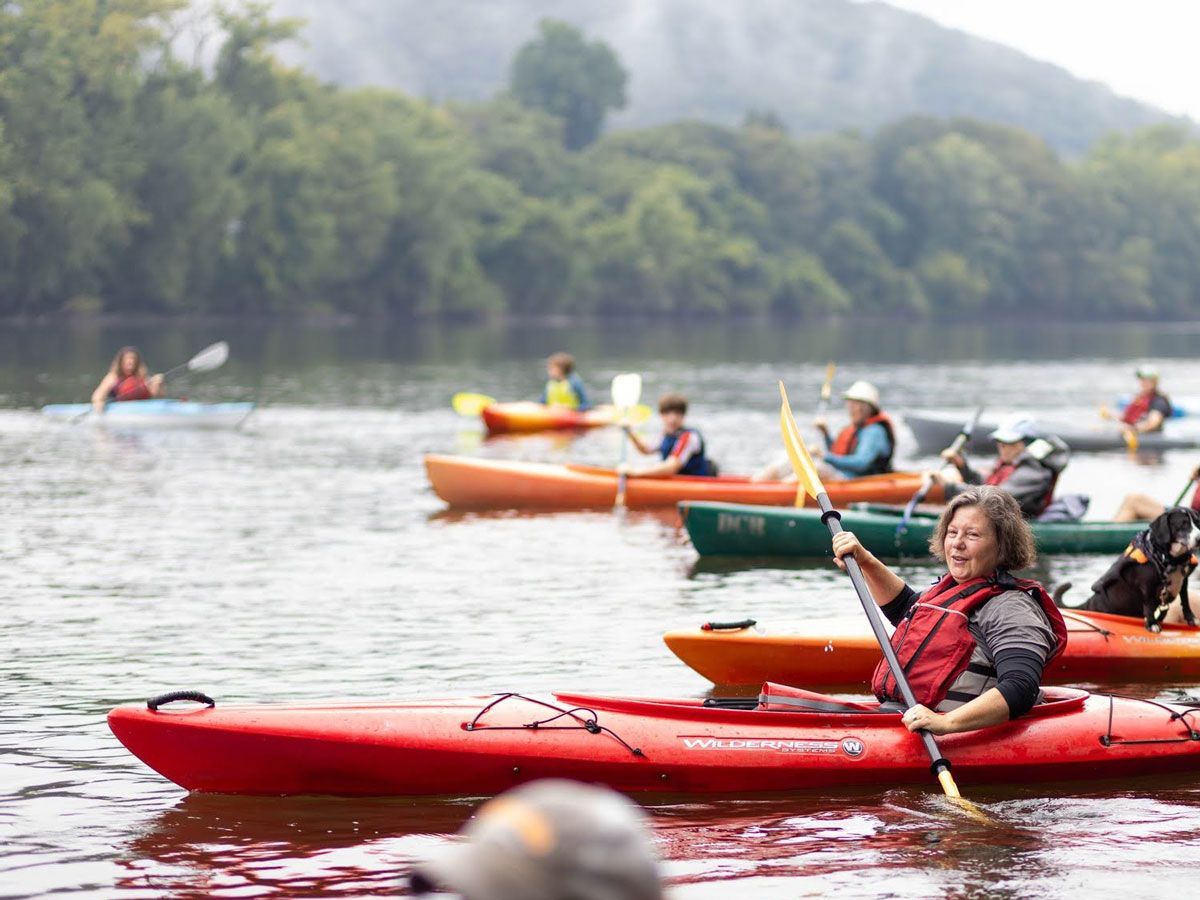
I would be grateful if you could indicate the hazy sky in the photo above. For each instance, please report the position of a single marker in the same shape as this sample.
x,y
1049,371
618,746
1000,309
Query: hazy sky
x,y
1145,49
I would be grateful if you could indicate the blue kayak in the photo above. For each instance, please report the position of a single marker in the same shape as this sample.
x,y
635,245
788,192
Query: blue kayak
x,y
155,414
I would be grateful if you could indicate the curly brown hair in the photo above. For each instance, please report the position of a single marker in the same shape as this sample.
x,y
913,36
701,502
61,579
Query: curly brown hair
x,y
1014,538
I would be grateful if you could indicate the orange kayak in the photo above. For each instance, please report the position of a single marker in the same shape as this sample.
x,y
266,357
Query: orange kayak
x,y
472,483
1102,649
524,417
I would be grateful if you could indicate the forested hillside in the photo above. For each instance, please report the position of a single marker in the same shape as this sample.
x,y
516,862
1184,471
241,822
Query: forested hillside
x,y
820,65
133,181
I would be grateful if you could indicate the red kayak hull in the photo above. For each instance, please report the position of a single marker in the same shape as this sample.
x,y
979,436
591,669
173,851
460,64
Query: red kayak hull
x,y
429,747
526,418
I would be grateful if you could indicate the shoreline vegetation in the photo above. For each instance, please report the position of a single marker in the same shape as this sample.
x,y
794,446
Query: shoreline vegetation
x,y
135,184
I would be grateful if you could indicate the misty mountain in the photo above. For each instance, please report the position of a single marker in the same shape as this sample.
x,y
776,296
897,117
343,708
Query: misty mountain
x,y
820,65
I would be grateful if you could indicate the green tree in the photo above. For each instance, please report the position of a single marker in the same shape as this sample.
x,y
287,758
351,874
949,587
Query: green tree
x,y
563,74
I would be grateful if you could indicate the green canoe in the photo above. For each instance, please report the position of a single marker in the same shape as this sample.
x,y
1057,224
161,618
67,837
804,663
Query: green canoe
x,y
732,529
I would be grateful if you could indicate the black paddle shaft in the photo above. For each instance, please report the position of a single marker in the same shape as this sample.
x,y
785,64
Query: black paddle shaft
x,y
833,521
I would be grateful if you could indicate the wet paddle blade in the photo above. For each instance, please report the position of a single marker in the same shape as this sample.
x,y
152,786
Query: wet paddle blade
x,y
802,462
469,404
212,357
626,390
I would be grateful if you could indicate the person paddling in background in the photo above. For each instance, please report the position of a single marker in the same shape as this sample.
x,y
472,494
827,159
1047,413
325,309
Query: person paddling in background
x,y
564,388
866,445
1144,508
681,448
974,645
126,380
1028,466
1149,409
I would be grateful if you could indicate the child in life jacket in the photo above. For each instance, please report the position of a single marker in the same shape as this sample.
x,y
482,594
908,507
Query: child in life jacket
x,y
563,387
681,449
126,380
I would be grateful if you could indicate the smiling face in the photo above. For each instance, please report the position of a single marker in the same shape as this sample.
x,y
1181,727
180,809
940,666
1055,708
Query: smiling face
x,y
971,548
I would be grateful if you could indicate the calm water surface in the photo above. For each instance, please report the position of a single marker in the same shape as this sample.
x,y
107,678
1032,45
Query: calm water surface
x,y
305,557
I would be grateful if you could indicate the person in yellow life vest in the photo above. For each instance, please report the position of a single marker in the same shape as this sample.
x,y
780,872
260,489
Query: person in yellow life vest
x,y
866,445
563,387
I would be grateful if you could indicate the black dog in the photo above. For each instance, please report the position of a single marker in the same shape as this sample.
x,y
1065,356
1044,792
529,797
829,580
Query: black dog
x,y
1152,571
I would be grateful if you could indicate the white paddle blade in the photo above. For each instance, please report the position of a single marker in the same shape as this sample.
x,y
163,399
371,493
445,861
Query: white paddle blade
x,y
626,390
209,358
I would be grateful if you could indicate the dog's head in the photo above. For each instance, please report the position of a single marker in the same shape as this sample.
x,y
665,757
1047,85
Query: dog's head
x,y
1177,531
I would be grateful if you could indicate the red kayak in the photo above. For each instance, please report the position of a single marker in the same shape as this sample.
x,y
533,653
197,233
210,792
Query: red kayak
x,y
484,745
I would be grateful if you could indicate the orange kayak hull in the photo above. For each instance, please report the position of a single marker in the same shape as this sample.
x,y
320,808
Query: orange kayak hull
x,y
472,483
525,417
1101,649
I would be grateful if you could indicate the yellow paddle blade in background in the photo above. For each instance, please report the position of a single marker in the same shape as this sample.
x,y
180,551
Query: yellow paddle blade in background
x,y
639,414
802,462
468,404
827,387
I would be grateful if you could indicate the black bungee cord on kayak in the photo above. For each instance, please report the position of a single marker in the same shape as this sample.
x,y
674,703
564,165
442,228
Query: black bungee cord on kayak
x,y
590,724
1179,715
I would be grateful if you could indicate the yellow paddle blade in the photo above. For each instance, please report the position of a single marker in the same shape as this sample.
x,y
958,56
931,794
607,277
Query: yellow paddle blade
x,y
802,462
468,404
1131,439
639,414
827,387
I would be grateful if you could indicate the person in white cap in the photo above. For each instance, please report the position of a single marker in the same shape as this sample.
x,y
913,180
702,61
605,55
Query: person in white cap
x,y
1028,466
1150,408
866,445
549,840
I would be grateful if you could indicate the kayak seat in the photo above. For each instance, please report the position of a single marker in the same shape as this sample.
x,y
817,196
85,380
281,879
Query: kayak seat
x,y
784,698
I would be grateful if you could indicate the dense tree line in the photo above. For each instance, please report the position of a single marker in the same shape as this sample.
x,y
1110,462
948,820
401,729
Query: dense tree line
x,y
132,180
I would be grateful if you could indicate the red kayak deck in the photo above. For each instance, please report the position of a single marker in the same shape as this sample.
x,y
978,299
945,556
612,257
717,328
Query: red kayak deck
x,y
1101,649
471,483
484,745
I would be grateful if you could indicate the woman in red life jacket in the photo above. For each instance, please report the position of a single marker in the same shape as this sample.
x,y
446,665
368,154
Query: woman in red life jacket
x,y
975,644
126,380
1149,409
1027,467
1143,507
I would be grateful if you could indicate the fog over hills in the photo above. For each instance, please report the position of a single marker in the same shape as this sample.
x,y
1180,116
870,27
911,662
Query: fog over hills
x,y
820,65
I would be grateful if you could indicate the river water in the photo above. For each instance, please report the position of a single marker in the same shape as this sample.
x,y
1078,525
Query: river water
x,y
305,557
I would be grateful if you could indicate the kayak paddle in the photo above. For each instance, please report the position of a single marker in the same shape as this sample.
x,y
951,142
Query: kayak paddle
x,y
956,447
826,388
626,392
211,357
467,404
1129,434
1187,487
806,473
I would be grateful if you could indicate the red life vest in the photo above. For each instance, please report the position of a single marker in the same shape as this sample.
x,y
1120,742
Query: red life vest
x,y
1139,407
933,643
131,387
847,440
1004,471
